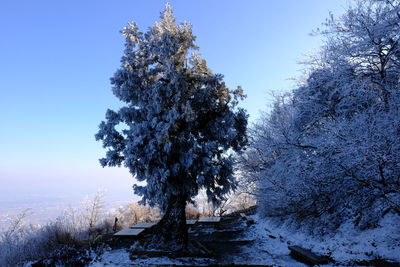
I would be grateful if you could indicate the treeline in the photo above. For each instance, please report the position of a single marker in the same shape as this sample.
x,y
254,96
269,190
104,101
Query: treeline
x,y
329,151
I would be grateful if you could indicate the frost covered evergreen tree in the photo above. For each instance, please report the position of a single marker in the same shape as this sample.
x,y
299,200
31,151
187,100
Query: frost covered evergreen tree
x,y
330,150
180,123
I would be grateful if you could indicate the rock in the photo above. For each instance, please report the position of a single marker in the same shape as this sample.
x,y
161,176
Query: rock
x,y
306,256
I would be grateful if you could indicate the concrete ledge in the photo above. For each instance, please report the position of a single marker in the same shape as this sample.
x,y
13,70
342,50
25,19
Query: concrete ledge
x,y
129,232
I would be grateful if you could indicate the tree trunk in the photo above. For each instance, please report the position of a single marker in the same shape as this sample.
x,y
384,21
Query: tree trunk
x,y
171,232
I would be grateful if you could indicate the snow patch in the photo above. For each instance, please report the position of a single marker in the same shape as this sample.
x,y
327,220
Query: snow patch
x,y
347,245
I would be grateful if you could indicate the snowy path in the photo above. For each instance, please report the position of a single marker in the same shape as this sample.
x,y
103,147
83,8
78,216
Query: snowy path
x,y
265,243
233,242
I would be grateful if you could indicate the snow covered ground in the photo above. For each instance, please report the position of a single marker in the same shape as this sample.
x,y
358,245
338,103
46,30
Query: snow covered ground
x,y
270,246
120,257
346,246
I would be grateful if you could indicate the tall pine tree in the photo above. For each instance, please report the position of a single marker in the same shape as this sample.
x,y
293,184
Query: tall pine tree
x,y
179,125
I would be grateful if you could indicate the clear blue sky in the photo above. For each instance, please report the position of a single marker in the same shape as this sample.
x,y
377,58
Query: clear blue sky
x,y
56,58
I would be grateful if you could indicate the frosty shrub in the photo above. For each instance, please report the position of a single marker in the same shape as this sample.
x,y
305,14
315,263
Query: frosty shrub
x,y
235,201
330,150
133,213
22,241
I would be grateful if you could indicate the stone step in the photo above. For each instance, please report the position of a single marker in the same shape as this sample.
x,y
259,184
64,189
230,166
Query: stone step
x,y
143,225
220,235
209,220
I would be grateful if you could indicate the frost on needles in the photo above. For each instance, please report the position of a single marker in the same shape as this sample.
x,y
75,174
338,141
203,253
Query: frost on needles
x,y
180,123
